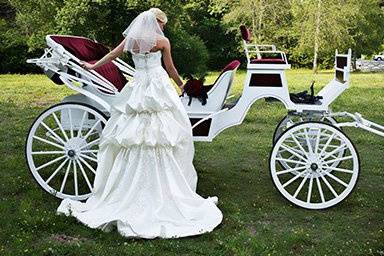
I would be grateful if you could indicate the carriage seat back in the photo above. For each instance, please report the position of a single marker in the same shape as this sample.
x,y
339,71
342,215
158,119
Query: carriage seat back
x,y
265,54
340,82
217,92
91,51
232,66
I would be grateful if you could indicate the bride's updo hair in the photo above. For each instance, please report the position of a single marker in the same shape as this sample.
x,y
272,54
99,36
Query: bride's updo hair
x,y
160,15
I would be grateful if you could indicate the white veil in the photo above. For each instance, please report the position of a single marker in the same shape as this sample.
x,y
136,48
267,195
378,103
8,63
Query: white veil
x,y
142,34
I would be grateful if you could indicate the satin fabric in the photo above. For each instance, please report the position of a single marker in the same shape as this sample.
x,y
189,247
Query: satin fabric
x,y
145,182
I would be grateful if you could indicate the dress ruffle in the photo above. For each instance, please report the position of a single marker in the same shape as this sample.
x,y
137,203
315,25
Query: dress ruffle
x,y
154,201
144,128
147,114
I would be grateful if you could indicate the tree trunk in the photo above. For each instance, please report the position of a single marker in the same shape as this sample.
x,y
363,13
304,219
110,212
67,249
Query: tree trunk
x,y
316,39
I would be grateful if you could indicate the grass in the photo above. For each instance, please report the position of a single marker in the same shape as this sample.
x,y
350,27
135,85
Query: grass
x,y
257,220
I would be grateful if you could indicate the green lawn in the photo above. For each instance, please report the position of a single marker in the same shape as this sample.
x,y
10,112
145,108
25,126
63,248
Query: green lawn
x,y
257,220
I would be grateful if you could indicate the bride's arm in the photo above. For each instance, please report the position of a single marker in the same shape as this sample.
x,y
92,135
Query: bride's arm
x,y
165,45
107,58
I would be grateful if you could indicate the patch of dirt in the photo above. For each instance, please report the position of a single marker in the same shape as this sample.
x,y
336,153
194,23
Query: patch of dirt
x,y
61,238
252,230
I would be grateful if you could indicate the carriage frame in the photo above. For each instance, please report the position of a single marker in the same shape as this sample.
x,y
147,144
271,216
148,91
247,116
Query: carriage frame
x,y
308,145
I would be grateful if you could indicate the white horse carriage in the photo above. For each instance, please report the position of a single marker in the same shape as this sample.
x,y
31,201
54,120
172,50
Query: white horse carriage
x,y
313,163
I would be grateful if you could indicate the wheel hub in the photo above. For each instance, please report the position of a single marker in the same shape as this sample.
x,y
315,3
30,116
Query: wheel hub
x,y
314,167
71,153
74,146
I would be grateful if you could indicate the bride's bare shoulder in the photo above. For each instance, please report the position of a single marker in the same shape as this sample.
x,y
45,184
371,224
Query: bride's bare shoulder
x,y
163,42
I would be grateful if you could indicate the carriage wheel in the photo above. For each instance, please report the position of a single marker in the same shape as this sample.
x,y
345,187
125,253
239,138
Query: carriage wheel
x,y
308,177
61,149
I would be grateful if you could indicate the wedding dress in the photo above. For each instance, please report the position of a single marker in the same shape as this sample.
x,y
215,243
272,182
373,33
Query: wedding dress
x,y
145,182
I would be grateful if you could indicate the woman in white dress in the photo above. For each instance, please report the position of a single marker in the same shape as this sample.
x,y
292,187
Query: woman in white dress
x,y
145,182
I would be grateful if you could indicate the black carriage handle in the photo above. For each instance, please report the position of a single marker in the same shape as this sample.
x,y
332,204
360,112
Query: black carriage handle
x,y
312,90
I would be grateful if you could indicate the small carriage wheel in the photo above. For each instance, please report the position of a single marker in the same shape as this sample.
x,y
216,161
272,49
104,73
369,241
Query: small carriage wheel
x,y
283,125
309,179
61,149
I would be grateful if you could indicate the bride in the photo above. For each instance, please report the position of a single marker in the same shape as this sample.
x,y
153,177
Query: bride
x,y
145,182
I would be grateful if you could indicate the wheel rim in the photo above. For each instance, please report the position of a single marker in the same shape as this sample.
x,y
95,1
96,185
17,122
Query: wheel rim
x,y
62,148
308,177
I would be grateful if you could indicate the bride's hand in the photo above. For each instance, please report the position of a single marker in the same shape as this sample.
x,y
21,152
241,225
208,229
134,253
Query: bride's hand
x,y
182,89
86,65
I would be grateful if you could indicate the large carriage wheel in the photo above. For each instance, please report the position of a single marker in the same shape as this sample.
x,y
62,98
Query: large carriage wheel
x,y
308,177
61,149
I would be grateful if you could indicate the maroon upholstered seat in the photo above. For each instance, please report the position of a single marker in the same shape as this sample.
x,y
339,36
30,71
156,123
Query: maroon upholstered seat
x,y
268,61
83,48
112,73
90,51
245,33
231,66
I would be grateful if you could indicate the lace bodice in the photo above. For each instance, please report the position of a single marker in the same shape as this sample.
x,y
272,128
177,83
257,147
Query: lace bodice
x,y
148,60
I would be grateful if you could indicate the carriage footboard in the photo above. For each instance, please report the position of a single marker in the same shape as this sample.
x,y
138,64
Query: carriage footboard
x,y
359,122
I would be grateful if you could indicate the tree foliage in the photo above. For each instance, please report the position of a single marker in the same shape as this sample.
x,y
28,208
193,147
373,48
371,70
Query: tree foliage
x,y
204,33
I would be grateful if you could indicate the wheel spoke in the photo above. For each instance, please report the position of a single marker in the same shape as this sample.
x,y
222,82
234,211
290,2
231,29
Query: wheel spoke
x,y
88,157
329,186
301,185
84,175
291,170
317,140
326,144
81,124
53,133
293,152
333,152
56,171
60,126
338,169
50,162
335,178
310,150
290,161
298,144
88,165
48,142
90,130
320,189
90,151
75,178
65,176
310,190
90,143
47,152
294,178
338,159
70,122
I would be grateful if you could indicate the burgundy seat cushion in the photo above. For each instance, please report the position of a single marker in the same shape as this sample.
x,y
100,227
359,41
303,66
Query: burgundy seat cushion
x,y
112,73
231,66
268,61
83,48
90,51
245,33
